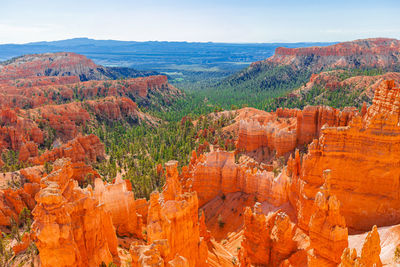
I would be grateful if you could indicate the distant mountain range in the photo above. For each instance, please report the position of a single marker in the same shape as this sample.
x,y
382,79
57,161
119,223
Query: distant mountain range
x,y
159,56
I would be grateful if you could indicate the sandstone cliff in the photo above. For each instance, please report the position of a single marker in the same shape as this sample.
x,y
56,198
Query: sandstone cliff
x,y
342,149
121,204
327,229
374,52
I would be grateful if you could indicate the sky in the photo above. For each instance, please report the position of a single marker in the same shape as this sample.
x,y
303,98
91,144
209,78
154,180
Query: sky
x,y
239,21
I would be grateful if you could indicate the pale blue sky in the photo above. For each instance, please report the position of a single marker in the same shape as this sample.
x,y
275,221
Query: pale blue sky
x,y
204,20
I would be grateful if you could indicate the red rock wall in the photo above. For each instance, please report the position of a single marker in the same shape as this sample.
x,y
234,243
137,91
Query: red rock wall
x,y
16,130
49,64
23,95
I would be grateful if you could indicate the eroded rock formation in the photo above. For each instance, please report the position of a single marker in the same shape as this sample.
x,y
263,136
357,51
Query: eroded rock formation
x,y
283,131
70,227
268,240
332,81
327,229
369,253
172,226
302,210
216,173
341,149
121,204
12,202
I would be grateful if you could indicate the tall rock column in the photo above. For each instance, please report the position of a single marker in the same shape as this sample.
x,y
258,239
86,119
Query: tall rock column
x,y
53,228
173,227
268,239
369,254
327,229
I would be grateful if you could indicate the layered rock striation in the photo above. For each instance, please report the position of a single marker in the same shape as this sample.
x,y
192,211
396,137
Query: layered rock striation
x,y
327,229
61,64
28,95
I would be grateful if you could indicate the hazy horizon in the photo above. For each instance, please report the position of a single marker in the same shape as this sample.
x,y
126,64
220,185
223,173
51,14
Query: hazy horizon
x,y
223,21
172,41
